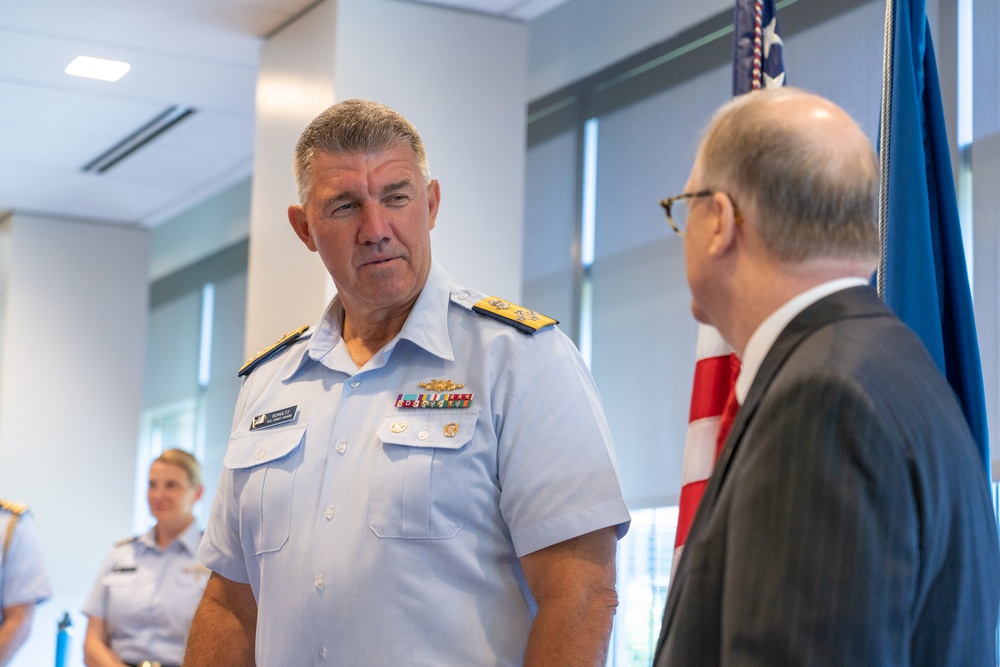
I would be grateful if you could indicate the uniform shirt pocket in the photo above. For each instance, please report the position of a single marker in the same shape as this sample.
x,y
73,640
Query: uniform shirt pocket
x,y
264,464
129,591
422,470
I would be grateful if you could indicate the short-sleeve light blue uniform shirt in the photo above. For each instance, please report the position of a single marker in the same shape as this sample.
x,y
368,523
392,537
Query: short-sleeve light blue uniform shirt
x,y
373,534
22,575
147,596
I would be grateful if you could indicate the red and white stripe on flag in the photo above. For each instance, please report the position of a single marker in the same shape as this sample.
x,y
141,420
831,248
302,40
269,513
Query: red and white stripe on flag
x,y
715,373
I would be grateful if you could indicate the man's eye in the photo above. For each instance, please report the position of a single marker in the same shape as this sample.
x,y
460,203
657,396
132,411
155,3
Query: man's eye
x,y
397,199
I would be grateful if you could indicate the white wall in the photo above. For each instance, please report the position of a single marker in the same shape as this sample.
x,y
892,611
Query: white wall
x,y
70,397
203,230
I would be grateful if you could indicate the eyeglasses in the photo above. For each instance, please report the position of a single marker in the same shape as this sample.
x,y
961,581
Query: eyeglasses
x,y
677,216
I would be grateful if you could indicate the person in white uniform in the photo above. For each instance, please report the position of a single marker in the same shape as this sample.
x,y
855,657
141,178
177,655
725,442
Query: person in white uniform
x,y
23,580
140,609
426,477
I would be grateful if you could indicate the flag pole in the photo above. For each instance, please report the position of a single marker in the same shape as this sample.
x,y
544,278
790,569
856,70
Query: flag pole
x,y
883,143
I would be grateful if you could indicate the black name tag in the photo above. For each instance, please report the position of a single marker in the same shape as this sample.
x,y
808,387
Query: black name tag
x,y
273,418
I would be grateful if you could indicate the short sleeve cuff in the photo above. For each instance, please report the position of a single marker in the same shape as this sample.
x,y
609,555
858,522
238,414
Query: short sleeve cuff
x,y
222,563
572,524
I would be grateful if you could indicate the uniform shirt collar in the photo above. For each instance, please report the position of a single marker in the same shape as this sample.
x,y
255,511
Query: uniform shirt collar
x,y
768,331
426,326
188,540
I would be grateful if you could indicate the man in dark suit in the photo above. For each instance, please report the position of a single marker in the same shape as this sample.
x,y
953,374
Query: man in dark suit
x,y
848,520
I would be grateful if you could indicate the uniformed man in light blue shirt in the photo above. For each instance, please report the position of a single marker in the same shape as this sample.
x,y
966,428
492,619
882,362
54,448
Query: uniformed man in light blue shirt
x,y
424,478
23,581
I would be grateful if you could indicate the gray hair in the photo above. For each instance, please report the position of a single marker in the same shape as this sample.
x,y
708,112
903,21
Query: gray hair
x,y
354,126
812,195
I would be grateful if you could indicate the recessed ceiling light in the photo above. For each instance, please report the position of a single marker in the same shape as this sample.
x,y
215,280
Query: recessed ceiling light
x,y
97,68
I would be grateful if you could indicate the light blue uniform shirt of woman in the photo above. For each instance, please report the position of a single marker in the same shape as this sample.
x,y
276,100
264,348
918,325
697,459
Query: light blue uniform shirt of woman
x,y
149,586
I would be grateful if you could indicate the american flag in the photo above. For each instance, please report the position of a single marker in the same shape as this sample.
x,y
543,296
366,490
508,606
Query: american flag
x,y
757,63
715,373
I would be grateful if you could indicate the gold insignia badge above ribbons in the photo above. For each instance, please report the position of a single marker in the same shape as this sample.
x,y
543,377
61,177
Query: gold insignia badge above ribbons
x,y
279,344
519,317
441,385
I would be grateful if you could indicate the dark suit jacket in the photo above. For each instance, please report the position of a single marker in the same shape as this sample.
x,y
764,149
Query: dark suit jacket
x,y
848,520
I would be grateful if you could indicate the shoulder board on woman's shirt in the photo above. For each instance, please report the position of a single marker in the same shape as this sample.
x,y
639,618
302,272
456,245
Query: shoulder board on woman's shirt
x,y
13,508
517,316
126,540
266,353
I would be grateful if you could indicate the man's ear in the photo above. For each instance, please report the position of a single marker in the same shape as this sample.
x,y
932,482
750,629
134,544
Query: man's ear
x,y
724,220
300,223
433,201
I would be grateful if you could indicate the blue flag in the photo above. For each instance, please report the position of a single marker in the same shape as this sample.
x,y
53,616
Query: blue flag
x,y
757,46
926,281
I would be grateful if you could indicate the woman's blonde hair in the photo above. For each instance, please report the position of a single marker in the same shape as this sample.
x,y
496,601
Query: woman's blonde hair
x,y
183,460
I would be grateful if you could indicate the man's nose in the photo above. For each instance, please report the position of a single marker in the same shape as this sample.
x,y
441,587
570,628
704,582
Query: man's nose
x,y
374,225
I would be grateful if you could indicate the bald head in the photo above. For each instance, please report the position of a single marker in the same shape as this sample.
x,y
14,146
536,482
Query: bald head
x,y
800,168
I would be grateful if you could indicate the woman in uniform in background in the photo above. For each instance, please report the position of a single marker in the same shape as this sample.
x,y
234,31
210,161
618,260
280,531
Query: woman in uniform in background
x,y
141,606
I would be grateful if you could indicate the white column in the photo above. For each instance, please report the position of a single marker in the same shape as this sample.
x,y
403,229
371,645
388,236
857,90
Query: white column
x,y
286,287
459,77
986,208
74,334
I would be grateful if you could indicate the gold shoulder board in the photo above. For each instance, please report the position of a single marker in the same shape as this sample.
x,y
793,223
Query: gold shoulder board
x,y
126,540
12,507
279,344
517,316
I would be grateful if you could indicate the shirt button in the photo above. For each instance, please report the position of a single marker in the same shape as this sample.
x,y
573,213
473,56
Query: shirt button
x,y
319,581
322,653
342,446
329,512
423,435
260,455
355,384
463,295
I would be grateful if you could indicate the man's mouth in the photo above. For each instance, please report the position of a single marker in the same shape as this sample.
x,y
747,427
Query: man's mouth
x,y
380,261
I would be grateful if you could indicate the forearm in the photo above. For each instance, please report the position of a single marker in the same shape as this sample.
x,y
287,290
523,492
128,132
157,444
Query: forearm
x,y
572,632
96,652
223,632
574,585
14,631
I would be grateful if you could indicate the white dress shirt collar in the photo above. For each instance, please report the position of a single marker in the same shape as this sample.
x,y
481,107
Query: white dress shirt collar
x,y
764,336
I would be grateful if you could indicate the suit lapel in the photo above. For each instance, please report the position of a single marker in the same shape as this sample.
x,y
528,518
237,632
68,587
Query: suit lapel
x,y
855,302
850,303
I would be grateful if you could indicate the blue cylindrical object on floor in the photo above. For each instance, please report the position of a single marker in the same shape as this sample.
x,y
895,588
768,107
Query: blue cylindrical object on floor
x,y
62,640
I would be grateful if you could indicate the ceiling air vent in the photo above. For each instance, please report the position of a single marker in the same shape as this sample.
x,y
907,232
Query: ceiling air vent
x,y
138,139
